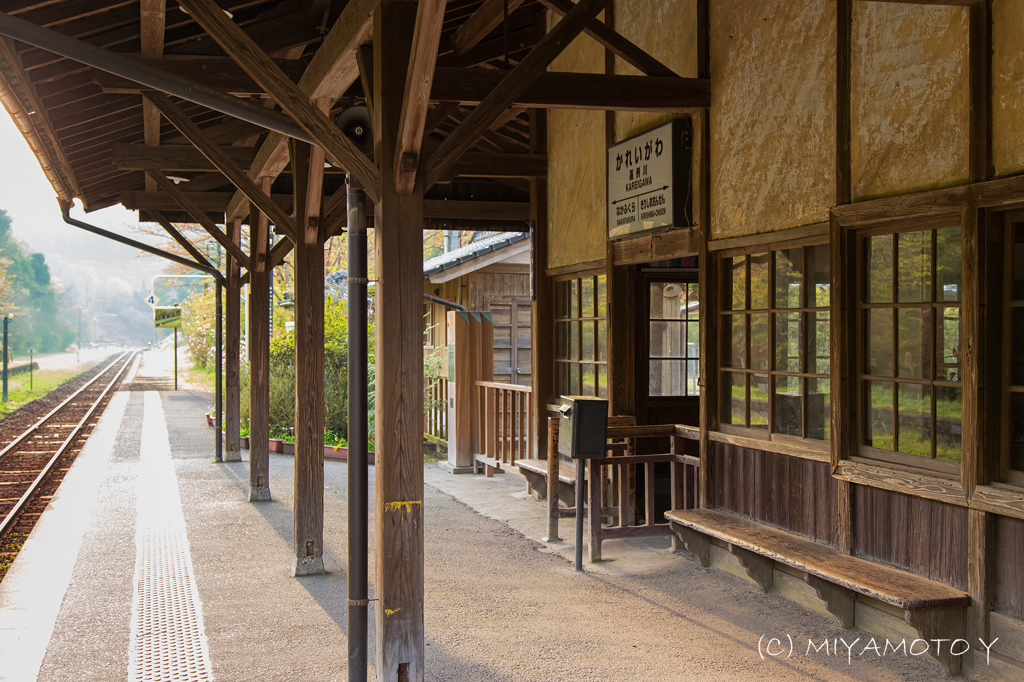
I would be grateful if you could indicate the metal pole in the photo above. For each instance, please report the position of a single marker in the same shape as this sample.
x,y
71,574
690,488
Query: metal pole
x,y
218,399
580,473
7,318
358,470
78,355
175,358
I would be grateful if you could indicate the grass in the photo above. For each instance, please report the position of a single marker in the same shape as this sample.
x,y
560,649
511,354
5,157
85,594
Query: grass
x,y
200,378
42,382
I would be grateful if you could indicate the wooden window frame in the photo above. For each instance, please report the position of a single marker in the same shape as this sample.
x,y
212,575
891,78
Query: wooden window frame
x,y
556,361
814,235
686,278
1005,222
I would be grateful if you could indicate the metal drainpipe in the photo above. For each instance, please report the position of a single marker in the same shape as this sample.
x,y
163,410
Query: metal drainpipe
x,y
444,302
358,470
218,399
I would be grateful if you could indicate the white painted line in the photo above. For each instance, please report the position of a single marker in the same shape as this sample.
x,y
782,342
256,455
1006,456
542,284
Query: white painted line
x,y
167,637
33,590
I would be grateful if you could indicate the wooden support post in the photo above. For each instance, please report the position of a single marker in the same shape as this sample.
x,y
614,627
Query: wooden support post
x,y
980,536
541,312
309,379
259,376
554,505
595,509
232,350
399,442
461,393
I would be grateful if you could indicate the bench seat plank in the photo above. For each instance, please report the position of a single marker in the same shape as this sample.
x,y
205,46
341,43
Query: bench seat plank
x,y
540,466
889,585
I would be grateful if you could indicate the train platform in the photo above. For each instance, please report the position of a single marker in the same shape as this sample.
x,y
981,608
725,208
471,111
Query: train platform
x,y
150,564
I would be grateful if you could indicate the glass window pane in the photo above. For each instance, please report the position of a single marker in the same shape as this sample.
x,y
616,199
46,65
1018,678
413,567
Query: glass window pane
x,y
574,379
589,377
602,381
879,268
759,339
574,293
818,271
1017,431
561,299
667,339
588,340
734,340
819,407
789,278
819,352
1017,347
588,297
562,370
602,296
574,341
879,346
692,377
880,410
1017,244
788,338
948,413
667,377
789,405
759,291
947,344
914,347
734,398
562,340
915,417
948,265
759,401
914,260
602,340
693,339
736,284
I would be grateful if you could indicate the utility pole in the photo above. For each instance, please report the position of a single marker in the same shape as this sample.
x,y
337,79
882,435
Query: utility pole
x,y
7,320
78,355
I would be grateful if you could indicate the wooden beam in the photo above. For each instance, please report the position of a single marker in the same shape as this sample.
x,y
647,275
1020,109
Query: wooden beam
x,y
232,348
174,157
199,216
844,59
593,91
707,272
292,99
308,510
980,79
259,237
219,73
504,96
152,18
223,163
331,71
429,19
259,381
541,307
481,22
476,210
613,41
196,254
476,164
207,202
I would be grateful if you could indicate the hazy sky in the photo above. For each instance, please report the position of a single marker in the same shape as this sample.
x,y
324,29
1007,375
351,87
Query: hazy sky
x,y
73,254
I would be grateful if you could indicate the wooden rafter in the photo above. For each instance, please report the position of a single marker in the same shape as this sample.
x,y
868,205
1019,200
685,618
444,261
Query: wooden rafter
x,y
504,95
619,45
222,162
159,217
292,99
174,157
416,104
330,72
200,217
484,20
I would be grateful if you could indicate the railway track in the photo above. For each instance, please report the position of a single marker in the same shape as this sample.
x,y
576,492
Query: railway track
x,y
33,464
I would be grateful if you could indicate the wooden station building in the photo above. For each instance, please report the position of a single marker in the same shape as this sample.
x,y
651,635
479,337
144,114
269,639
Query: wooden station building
x,y
826,330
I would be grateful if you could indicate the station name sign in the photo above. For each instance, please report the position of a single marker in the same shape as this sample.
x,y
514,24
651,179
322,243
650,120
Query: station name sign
x,y
649,180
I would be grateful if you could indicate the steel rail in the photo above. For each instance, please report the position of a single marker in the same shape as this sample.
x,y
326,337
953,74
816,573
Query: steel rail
x,y
12,515
17,441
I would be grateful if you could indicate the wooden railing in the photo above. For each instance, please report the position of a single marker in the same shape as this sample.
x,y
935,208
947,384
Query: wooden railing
x,y
611,483
505,414
435,416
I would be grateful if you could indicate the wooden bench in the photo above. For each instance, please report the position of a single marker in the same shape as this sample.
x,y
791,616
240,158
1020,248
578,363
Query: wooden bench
x,y
933,609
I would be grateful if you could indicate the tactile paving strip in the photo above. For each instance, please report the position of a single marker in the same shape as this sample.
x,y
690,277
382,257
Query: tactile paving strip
x,y
167,638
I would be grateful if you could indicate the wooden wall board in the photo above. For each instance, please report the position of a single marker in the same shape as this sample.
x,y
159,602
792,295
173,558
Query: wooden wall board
x,y
1008,592
666,30
914,534
1007,86
772,117
909,98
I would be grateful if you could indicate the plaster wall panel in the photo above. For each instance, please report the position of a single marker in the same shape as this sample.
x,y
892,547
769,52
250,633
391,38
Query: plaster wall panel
x,y
666,30
1008,86
577,232
910,98
772,115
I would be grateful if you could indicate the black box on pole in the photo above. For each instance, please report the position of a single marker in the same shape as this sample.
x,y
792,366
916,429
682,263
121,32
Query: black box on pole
x,y
583,427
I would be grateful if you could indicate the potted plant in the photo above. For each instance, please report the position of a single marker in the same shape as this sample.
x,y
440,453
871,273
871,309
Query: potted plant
x,y
243,437
288,442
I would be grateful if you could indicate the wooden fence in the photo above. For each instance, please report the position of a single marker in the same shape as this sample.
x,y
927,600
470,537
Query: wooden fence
x,y
505,416
435,416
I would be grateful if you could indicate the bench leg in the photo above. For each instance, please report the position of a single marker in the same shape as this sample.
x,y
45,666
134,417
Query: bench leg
x,y
759,568
947,623
697,543
840,601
